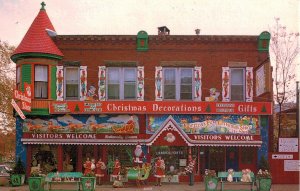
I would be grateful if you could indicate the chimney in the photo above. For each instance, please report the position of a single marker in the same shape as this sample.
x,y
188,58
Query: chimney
x,y
162,31
197,31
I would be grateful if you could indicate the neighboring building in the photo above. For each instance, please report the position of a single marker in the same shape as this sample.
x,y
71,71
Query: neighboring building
x,y
99,96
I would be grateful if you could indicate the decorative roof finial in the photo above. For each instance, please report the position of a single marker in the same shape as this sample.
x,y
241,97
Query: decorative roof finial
x,y
43,5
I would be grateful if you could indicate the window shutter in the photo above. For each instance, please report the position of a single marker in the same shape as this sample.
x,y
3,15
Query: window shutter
x,y
59,83
101,83
249,84
83,82
140,83
225,83
158,83
197,84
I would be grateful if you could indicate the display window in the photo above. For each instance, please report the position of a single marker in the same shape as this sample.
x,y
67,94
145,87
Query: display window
x,y
175,158
44,157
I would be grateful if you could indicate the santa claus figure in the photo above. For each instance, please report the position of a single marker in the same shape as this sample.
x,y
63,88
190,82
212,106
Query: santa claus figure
x,y
87,166
138,153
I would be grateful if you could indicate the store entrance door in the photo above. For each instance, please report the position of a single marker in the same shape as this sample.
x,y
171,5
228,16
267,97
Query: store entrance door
x,y
216,158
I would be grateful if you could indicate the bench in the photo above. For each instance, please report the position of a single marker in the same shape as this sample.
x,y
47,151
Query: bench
x,y
63,178
222,176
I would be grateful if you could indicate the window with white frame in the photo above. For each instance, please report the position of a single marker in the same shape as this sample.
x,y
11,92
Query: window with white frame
x,y
237,83
40,82
121,83
72,83
178,83
18,77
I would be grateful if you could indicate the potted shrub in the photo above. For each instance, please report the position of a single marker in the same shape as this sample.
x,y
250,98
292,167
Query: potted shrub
x,y
17,175
263,177
36,181
210,180
88,182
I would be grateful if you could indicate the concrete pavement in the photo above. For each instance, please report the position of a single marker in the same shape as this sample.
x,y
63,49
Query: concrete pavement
x,y
151,187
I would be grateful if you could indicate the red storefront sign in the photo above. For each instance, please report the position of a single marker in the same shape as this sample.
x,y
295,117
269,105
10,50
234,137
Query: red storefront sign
x,y
24,97
155,107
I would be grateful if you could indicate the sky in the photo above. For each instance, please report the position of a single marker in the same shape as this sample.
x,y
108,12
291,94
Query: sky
x,y
127,17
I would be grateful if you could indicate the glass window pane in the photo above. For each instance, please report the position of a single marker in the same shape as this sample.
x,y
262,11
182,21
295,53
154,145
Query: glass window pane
x,y
113,91
186,92
186,76
237,93
129,91
41,73
169,92
72,91
72,76
129,75
169,76
237,76
113,76
41,90
18,75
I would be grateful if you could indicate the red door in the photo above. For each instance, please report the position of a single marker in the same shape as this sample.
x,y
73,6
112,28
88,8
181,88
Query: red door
x,y
248,158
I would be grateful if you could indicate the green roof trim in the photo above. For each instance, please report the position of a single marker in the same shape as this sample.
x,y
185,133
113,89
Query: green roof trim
x,y
264,41
17,57
142,41
37,111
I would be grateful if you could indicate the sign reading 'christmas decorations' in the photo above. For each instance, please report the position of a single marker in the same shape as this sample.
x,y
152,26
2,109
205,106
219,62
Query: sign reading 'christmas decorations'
x,y
156,107
24,97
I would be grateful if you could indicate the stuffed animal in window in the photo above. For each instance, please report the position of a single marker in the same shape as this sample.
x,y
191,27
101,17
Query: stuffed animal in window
x,y
230,175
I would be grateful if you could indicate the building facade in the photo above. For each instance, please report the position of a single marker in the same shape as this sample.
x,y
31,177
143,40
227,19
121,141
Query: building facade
x,y
98,96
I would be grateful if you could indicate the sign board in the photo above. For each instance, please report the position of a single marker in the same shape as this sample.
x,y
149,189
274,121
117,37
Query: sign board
x,y
260,81
159,107
281,156
17,108
292,165
24,97
288,145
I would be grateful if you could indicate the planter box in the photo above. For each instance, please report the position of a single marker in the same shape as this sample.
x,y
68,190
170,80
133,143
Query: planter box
x,y
88,183
17,179
36,183
211,184
263,184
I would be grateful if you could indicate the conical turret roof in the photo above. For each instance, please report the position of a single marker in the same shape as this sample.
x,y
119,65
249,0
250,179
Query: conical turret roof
x,y
37,41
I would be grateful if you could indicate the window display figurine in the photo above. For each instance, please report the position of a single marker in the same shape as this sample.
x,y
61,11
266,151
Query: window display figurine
x,y
87,166
100,167
159,170
116,168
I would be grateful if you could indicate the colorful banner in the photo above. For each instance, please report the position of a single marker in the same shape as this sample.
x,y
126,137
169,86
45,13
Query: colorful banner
x,y
208,124
158,107
116,124
24,97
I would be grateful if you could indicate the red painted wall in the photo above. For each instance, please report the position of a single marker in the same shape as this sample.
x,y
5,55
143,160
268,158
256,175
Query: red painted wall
x,y
279,176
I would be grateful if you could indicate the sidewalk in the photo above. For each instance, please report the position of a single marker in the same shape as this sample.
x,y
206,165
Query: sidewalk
x,y
151,187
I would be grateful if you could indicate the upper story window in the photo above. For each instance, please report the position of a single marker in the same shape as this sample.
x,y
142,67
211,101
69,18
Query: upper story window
x,y
237,84
72,83
178,84
40,81
18,76
121,83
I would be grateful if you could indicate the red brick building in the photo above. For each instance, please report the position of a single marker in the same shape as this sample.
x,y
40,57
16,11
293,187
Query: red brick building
x,y
98,96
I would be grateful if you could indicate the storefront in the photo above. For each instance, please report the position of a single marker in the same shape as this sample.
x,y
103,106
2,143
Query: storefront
x,y
218,141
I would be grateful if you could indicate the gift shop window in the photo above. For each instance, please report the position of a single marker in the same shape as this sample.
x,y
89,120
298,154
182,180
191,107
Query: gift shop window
x,y
123,153
237,84
72,83
175,158
18,78
177,83
121,83
40,82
